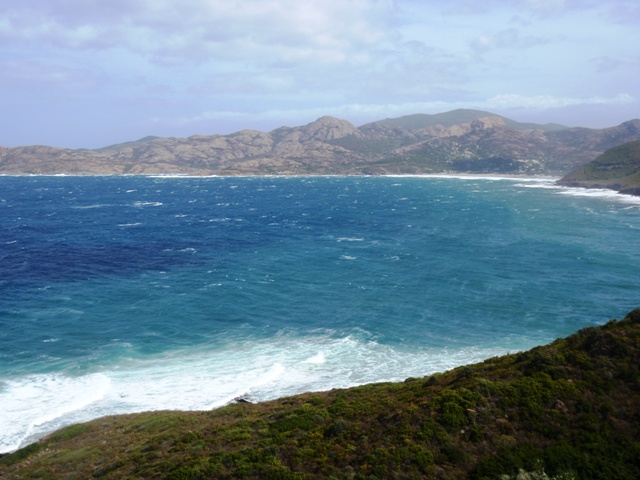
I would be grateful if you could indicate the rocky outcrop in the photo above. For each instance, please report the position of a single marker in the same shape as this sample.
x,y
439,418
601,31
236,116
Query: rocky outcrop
x,y
458,141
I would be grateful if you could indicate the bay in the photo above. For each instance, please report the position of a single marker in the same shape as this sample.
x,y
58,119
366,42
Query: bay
x,y
124,294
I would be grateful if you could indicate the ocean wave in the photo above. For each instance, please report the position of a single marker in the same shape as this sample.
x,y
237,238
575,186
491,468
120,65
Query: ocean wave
x,y
599,193
35,405
141,204
89,207
603,193
471,176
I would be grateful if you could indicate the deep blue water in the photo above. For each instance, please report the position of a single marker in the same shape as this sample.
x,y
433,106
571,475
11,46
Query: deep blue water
x,y
122,294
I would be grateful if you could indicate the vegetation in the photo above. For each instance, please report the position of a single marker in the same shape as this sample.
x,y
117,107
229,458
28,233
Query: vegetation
x,y
618,168
567,410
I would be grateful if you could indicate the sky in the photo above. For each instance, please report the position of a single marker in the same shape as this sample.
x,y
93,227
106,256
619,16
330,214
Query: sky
x,y
92,73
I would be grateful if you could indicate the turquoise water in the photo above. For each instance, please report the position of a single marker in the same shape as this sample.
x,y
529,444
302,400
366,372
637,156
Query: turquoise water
x,y
123,294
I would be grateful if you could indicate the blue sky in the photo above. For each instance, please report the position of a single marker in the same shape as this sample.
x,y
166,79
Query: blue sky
x,y
90,73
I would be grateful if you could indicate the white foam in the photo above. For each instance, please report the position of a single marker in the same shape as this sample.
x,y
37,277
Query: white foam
x,y
147,204
600,193
318,358
89,207
603,193
471,176
33,406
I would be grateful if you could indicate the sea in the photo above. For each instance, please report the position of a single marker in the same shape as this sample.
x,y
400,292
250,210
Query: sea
x,y
137,293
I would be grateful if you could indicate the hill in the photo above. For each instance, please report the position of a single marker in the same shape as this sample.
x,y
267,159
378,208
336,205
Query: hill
x,y
461,141
618,169
458,117
570,409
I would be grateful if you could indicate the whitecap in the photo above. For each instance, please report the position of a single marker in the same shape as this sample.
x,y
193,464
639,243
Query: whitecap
x,y
88,207
32,405
318,358
603,193
209,378
599,193
471,176
147,204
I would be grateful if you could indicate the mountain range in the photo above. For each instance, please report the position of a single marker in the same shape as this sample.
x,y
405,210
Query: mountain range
x,y
460,141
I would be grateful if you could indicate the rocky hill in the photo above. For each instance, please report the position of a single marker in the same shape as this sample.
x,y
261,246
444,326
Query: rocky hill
x,y
568,410
469,141
618,169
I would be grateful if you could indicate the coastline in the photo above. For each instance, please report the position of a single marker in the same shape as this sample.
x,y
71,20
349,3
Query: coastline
x,y
487,176
595,190
582,190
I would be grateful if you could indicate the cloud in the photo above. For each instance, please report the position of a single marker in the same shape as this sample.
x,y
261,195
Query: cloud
x,y
606,64
506,39
626,12
35,76
546,102
172,32
218,64
362,112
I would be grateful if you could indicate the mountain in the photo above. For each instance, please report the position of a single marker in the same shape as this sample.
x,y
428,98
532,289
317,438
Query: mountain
x,y
457,117
466,141
567,410
618,169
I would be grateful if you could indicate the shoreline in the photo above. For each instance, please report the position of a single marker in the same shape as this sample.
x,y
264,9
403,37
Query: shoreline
x,y
462,176
487,176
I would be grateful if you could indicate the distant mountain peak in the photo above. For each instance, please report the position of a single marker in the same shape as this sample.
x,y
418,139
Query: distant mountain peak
x,y
328,128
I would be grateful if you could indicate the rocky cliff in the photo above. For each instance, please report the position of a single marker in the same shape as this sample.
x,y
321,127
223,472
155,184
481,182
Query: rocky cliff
x,y
468,141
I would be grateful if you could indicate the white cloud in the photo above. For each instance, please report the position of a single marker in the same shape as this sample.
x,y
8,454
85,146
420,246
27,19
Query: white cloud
x,y
327,31
264,63
545,102
42,78
361,113
510,38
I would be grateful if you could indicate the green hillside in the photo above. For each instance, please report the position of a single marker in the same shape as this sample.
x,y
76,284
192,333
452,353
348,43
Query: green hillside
x,y
570,409
617,168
